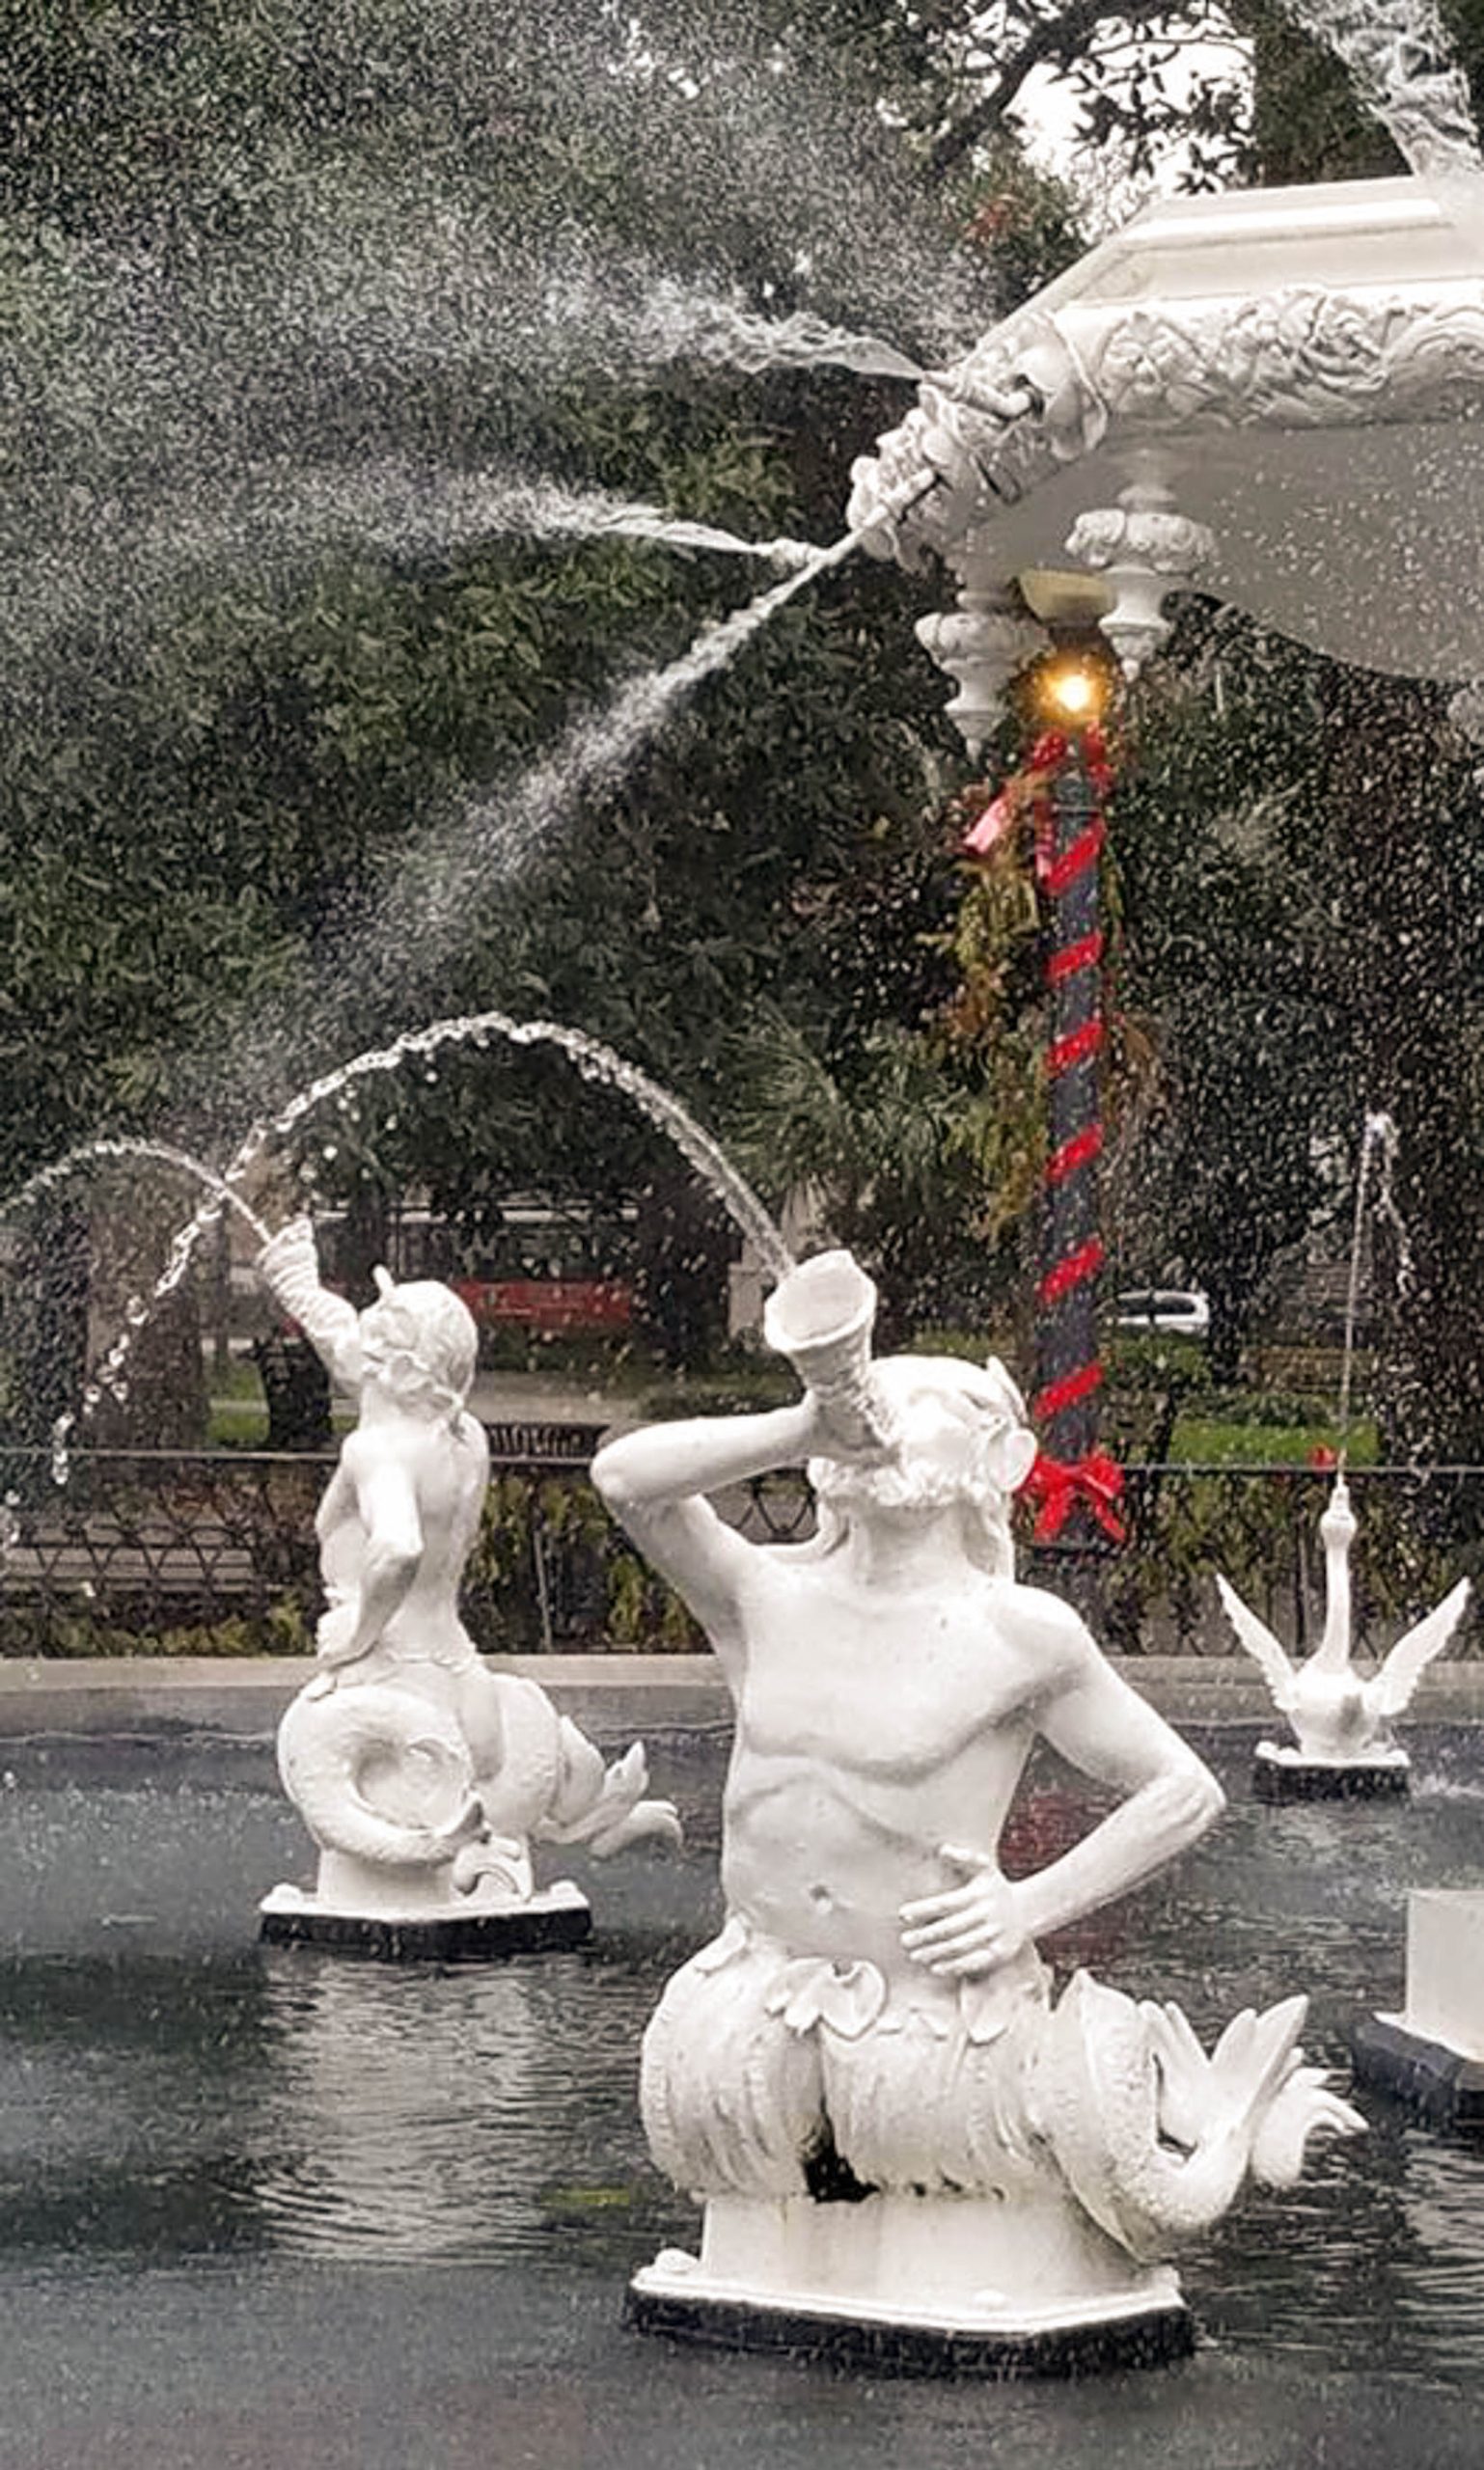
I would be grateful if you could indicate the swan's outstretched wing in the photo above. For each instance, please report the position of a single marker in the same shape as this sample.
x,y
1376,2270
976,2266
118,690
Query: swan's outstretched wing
x,y
1390,1690
1277,1670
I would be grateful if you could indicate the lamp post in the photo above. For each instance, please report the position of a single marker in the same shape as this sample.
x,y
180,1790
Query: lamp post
x,y
1069,690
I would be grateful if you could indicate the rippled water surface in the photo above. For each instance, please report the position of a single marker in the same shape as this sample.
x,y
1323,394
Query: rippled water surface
x,y
269,2208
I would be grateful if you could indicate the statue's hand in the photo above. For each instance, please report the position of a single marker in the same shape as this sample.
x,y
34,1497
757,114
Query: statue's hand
x,y
973,1928
335,1633
288,1262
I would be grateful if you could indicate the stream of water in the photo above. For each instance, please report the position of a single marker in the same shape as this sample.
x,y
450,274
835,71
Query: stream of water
x,y
590,1058
428,899
1378,1147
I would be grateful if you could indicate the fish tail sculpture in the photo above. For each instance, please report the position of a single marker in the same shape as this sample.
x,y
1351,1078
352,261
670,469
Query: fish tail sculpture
x,y
551,1782
331,1747
605,1807
1154,2137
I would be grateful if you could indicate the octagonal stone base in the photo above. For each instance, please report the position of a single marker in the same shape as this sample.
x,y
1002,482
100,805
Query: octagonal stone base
x,y
557,1916
906,2285
1282,1773
1431,2056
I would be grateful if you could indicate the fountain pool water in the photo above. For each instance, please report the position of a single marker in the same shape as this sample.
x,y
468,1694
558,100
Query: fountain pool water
x,y
266,2208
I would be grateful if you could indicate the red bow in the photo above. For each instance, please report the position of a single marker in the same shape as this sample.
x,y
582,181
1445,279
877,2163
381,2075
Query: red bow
x,y
1053,749
1055,1484
1048,753
997,819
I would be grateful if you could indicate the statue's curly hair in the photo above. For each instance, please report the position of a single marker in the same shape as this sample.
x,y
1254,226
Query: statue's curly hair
x,y
423,1341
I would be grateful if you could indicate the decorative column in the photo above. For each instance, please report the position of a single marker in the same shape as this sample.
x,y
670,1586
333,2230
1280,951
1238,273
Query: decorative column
x,y
1143,550
1075,1486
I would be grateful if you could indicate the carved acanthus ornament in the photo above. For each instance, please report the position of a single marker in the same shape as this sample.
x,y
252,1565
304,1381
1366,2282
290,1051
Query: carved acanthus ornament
x,y
1466,710
1036,394
1398,54
984,433
1143,550
982,644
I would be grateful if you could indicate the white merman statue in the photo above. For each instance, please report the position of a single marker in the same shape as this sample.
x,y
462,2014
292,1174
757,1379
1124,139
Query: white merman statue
x,y
1341,1718
423,1777
864,2077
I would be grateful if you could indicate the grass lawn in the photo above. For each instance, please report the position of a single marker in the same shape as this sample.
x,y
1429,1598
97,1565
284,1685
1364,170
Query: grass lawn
x,y
1219,1441
237,1415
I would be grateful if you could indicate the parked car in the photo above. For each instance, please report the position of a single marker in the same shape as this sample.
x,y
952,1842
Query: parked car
x,y
1184,1311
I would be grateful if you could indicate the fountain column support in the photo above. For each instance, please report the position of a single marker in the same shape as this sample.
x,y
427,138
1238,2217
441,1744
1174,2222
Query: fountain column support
x,y
1129,558
1076,1487
1069,1373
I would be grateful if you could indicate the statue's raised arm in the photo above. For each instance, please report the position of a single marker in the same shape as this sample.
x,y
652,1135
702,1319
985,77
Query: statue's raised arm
x,y
656,1483
289,1265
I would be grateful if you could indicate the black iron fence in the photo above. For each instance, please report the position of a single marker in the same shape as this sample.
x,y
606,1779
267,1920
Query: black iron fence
x,y
1419,1530
215,1552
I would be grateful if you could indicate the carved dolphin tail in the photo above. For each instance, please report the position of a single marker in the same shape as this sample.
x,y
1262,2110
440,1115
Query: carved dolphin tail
x,y
328,1747
1153,2137
605,1808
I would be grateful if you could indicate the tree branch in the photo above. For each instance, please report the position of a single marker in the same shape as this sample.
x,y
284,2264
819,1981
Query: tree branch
x,y
1053,40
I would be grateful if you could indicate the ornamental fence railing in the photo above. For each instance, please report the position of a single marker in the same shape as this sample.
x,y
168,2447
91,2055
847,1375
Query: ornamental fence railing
x,y
215,1552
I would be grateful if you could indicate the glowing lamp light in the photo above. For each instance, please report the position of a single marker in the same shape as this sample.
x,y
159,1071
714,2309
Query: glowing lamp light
x,y
1072,692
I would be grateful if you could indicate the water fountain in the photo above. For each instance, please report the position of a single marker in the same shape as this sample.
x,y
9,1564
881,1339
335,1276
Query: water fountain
x,y
1341,1718
907,2153
422,1777
1237,390
1189,2127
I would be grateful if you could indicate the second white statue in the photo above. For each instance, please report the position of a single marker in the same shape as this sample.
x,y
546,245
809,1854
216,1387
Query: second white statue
x,y
904,2148
423,1775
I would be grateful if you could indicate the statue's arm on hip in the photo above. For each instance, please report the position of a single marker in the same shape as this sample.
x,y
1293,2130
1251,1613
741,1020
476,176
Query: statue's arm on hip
x,y
1092,1718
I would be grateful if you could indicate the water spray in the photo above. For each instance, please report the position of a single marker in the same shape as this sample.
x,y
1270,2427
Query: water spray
x,y
1379,1139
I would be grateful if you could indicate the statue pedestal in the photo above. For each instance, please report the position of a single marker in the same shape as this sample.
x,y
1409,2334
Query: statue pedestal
x,y
1281,1772
470,1929
1431,2056
932,2285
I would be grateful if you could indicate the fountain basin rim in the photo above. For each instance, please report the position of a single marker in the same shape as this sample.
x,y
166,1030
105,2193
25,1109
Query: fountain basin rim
x,y
241,1695
1439,2084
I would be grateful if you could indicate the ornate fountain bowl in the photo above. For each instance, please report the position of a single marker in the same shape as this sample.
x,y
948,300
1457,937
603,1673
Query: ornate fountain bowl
x,y
1277,392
